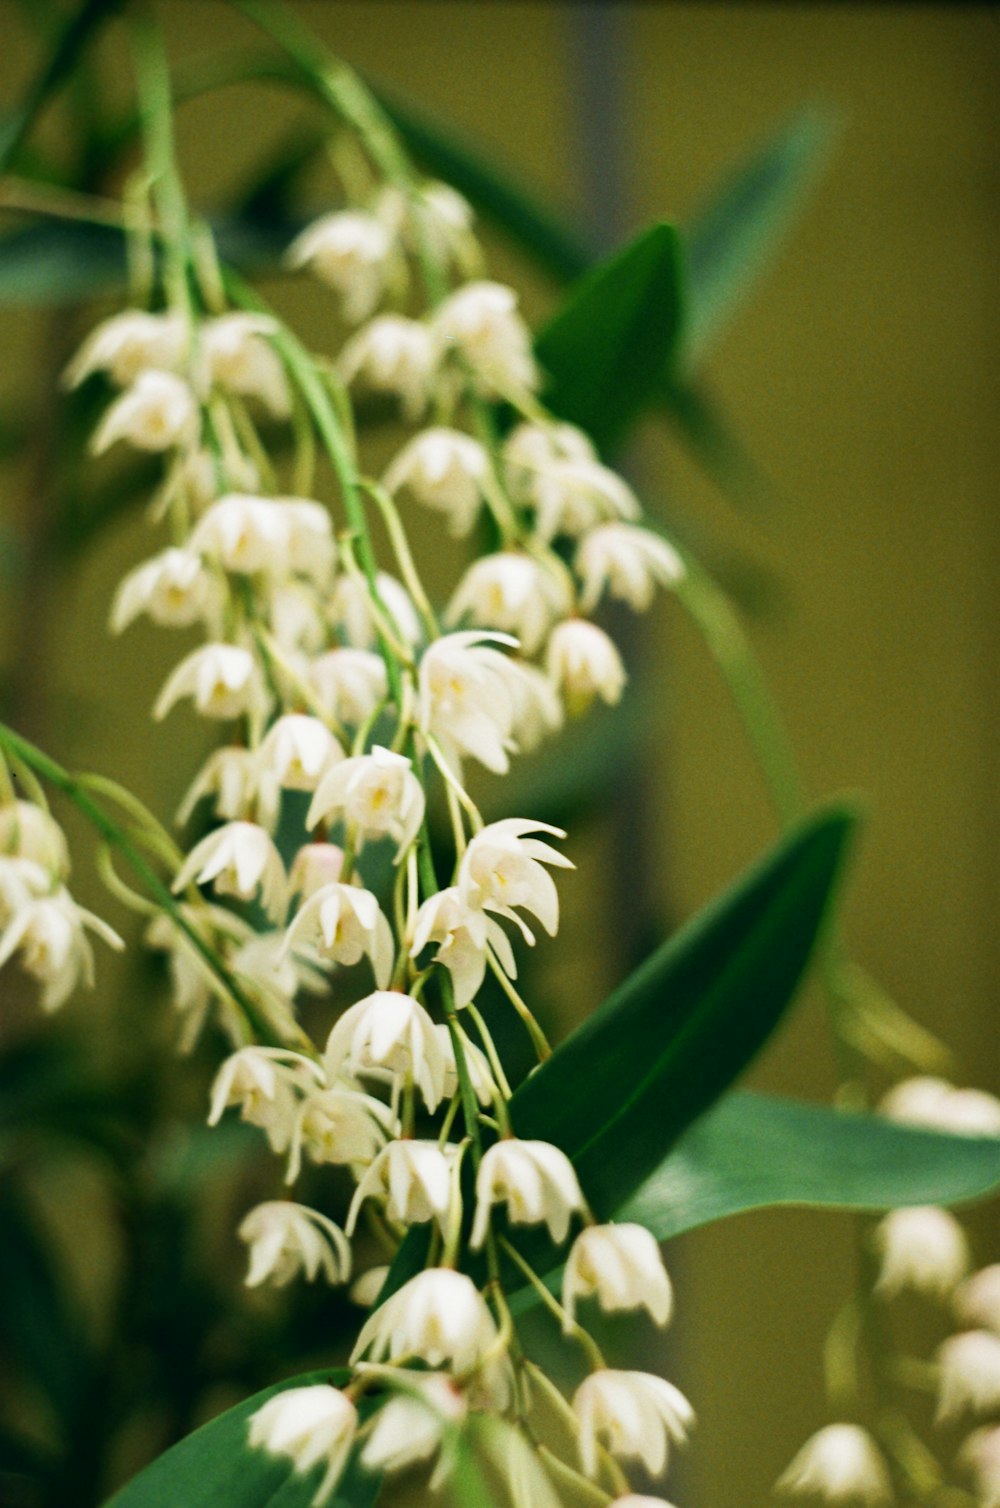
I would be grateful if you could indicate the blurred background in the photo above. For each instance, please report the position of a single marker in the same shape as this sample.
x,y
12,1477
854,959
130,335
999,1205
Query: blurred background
x,y
861,376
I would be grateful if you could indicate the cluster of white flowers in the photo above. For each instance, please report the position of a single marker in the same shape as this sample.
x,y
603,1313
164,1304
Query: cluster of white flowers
x,y
40,922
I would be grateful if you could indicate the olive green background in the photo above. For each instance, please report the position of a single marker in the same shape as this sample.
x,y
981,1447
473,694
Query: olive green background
x,y
863,374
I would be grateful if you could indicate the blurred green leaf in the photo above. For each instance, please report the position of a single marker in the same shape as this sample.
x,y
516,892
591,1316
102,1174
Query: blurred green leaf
x,y
606,347
736,234
215,1467
619,1091
754,1150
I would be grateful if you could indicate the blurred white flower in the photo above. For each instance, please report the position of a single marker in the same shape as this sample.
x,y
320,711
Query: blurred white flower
x,y
376,795
340,1126
571,497
512,592
922,1248
410,1427
446,470
315,865
938,1105
173,588
129,344
350,608
49,932
583,662
466,696
535,1180
621,1265
349,683
439,1316
345,923
413,1178
480,323
980,1456
29,832
237,357
223,681
626,562
637,1414
266,1083
308,1425
238,859
840,1463
969,1378
465,933
349,251
530,449
392,1031
392,355
158,410
286,1239
245,534
294,755
478,1065
503,868
977,1300
367,1286
230,775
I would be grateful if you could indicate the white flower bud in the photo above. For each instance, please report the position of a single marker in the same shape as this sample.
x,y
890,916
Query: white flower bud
x,y
344,923
535,1180
223,681
840,1463
376,795
129,344
626,562
348,251
439,1316
308,1425
584,663
622,1266
977,1300
311,551
391,1031
350,683
315,866
238,358
923,1248
21,881
412,1178
638,1415
393,355
286,1239
970,1374
481,325
502,868
938,1105
366,1288
512,592
446,470
173,588
238,859
156,412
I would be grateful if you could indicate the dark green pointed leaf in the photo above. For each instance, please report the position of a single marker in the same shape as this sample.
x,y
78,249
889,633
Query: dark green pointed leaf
x,y
607,346
733,237
215,1467
619,1092
754,1150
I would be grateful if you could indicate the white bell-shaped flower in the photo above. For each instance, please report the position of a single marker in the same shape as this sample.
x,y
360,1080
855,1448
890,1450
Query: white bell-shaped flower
x,y
294,755
311,550
940,1106
410,1426
445,470
128,344
411,1178
308,1425
173,588
345,924
29,832
840,1463
295,614
391,1031
464,933
349,251
977,1300
238,357
512,592
637,1414
621,1266
535,1180
244,534
571,497
538,710
530,449
286,1239
267,1084
229,776
639,1500
49,933
340,1126
626,562
583,662
223,681
478,1064
350,684
481,325
467,697
238,859
21,881
392,355
158,411
439,1316
969,1379
922,1248
315,866
980,1456
376,795
503,868
350,608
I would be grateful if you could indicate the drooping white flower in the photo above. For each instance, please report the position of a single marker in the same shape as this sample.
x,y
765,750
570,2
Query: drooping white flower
x,y
223,681
535,1180
29,832
621,1265
173,588
392,355
940,1106
977,1300
244,534
638,1415
512,592
980,1456
273,976
308,1425
503,868
238,859
627,562
229,775
286,1239
467,696
392,1031
345,924
571,497
340,1126
376,795
315,866
446,470
294,755
922,1248
476,1062
159,410
465,933
267,1084
969,1374
21,881
410,1426
199,478
350,683
294,611
583,662
129,344
530,449
840,1463
349,251
237,357
413,1178
481,325
439,1316
49,933
350,608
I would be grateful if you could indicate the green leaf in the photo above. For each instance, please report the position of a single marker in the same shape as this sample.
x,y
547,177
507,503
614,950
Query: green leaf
x,y
755,1150
607,346
734,236
215,1467
617,1094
